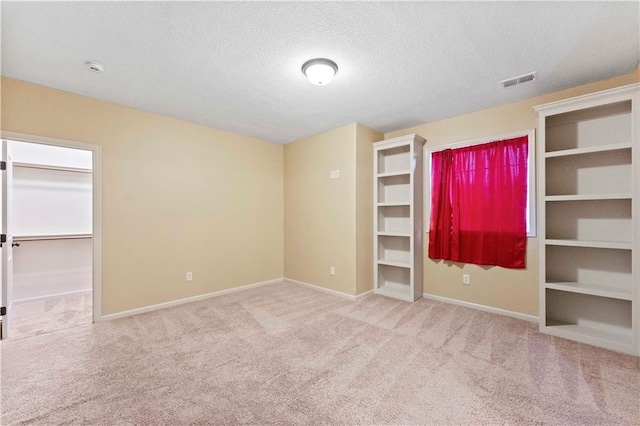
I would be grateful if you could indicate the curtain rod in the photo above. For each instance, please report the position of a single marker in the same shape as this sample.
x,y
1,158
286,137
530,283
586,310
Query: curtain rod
x,y
479,141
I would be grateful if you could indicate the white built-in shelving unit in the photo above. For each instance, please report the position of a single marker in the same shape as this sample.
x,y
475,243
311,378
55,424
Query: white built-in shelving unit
x,y
398,217
588,216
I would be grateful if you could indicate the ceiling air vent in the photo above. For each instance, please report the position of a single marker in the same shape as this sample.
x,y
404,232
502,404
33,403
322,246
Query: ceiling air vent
x,y
519,79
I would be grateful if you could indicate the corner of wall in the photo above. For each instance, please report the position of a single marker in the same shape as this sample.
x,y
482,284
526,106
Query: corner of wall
x,y
319,210
365,137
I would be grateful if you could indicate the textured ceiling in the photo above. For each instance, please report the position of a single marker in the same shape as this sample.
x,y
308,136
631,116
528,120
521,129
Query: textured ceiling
x,y
236,65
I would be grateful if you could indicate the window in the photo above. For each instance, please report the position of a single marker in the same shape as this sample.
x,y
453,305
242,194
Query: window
x,y
480,200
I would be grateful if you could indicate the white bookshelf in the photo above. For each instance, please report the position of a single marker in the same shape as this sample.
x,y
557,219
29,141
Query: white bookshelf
x,y
588,217
398,218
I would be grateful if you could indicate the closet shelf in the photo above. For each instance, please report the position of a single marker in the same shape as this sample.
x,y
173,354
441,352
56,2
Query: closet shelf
x,y
614,292
19,238
590,244
49,167
589,197
588,150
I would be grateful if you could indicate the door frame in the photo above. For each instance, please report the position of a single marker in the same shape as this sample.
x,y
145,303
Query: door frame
x,y
96,183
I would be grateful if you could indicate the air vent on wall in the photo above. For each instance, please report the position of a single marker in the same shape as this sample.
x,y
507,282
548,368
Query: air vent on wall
x,y
519,79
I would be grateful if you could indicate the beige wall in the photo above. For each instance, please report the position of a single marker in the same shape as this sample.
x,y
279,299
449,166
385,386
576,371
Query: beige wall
x,y
365,137
319,212
177,196
514,290
328,222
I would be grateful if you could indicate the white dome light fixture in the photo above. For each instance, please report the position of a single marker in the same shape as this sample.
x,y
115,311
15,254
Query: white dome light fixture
x,y
320,71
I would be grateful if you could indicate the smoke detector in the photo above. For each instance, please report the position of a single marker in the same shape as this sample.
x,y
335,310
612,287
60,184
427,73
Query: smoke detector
x,y
94,66
524,78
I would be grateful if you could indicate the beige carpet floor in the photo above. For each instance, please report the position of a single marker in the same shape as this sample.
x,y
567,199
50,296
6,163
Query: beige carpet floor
x,y
286,354
45,316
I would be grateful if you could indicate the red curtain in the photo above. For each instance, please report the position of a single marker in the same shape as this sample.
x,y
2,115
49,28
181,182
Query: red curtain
x,y
479,202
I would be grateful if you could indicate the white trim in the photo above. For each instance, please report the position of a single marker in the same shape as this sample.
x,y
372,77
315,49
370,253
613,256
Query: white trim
x,y
531,171
587,100
364,295
97,204
97,233
328,290
394,142
492,310
51,296
178,302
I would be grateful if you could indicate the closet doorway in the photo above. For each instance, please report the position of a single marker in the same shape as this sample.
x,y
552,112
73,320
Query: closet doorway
x,y
53,214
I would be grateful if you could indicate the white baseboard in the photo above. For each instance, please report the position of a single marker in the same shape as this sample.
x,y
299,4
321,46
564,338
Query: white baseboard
x,y
518,315
164,305
51,296
327,290
364,295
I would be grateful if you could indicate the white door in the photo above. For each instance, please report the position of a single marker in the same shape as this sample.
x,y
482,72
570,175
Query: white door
x,y
6,238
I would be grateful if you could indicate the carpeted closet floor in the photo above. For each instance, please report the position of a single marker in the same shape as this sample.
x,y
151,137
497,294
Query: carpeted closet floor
x,y
45,316
287,354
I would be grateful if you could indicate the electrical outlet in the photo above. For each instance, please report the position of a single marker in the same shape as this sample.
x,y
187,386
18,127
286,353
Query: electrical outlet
x,y
466,279
189,276
332,270
335,174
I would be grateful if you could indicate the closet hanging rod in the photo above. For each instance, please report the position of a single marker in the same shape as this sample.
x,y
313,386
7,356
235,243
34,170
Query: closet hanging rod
x,y
47,167
51,237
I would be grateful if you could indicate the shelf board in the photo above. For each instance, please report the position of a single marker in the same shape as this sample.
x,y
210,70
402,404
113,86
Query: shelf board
x,y
51,167
590,244
398,291
394,234
588,150
398,173
588,334
393,204
590,197
613,292
396,263
21,238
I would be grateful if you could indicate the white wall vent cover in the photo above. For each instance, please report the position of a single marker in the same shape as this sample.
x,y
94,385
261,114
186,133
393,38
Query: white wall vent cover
x,y
519,79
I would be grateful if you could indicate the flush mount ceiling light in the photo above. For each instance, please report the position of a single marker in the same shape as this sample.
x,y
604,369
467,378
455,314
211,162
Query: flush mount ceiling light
x,y
320,71
94,66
